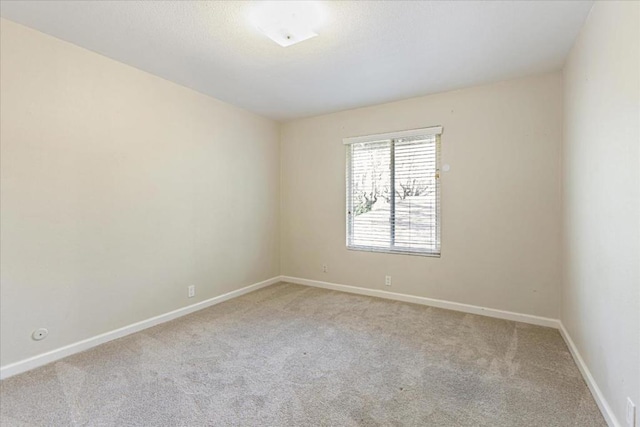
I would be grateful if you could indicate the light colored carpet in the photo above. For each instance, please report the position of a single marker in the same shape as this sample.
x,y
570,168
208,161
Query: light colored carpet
x,y
289,355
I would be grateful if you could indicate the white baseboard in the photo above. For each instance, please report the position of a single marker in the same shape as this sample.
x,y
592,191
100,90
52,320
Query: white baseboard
x,y
607,413
449,305
68,350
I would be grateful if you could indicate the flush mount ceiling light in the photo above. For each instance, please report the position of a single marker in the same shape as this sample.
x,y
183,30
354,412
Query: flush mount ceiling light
x,y
287,22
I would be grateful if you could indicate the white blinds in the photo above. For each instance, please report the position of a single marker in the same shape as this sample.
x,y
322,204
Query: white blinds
x,y
393,192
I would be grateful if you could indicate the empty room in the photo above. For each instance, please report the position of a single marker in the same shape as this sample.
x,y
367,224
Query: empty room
x,y
320,213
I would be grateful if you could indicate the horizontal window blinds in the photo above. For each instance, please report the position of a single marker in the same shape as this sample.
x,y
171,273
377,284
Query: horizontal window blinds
x,y
393,193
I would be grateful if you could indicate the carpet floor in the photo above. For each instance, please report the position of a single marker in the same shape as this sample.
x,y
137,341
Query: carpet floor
x,y
290,355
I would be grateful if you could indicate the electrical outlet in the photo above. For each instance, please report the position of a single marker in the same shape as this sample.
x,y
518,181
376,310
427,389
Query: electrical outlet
x,y
387,280
39,334
325,268
631,413
192,291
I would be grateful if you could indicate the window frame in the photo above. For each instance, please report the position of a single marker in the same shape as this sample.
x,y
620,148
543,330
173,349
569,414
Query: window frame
x,y
435,131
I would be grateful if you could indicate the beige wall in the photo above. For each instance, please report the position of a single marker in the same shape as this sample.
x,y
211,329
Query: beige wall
x,y
120,189
601,163
500,200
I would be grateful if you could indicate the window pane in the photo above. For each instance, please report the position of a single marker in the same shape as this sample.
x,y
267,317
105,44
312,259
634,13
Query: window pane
x,y
370,194
416,194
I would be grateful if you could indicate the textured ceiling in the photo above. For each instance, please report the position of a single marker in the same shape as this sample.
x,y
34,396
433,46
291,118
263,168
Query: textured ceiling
x,y
366,53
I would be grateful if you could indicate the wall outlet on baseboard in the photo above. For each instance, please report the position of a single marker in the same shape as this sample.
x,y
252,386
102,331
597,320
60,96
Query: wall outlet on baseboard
x,y
631,413
325,268
192,291
387,280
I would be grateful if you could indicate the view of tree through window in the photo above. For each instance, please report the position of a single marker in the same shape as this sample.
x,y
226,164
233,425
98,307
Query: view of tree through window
x,y
393,195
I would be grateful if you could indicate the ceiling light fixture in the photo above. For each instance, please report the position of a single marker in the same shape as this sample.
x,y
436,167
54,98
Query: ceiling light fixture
x,y
288,22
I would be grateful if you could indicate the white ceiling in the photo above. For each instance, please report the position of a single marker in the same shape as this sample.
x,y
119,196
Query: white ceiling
x,y
366,53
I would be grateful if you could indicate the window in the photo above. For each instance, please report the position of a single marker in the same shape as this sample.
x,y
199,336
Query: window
x,y
393,192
